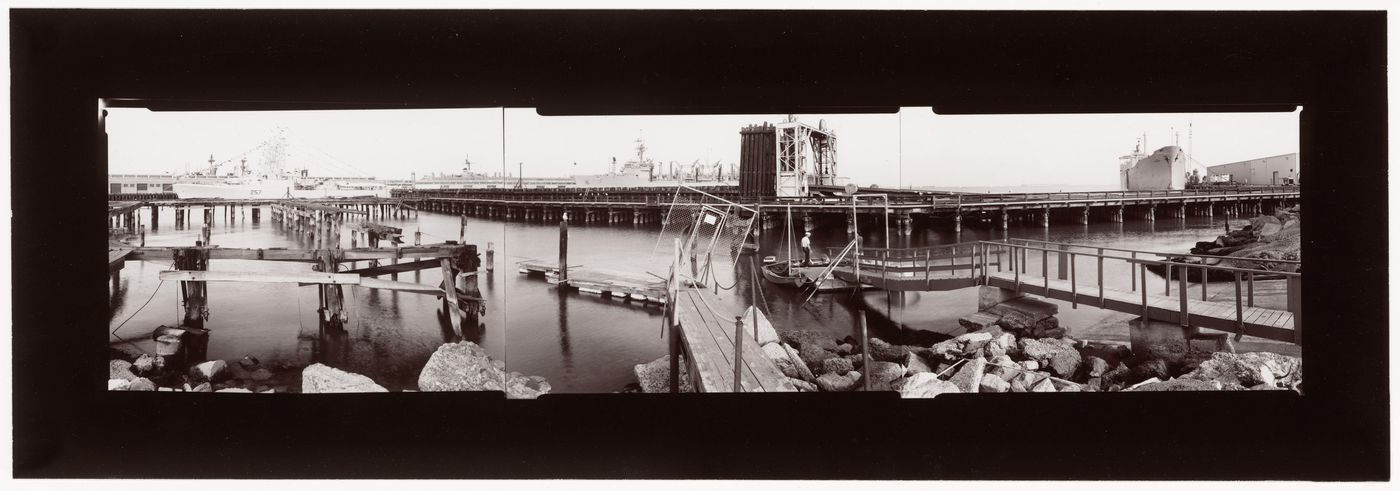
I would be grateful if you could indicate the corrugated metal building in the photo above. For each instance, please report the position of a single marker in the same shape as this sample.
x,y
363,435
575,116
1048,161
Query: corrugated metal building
x,y
1268,170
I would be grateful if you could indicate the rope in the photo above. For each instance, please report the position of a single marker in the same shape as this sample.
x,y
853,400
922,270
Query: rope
x,y
138,311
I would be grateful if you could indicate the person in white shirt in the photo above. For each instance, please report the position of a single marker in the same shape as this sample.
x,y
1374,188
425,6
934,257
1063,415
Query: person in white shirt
x,y
807,249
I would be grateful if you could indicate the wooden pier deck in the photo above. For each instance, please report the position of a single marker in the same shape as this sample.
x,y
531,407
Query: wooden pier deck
x,y
607,283
708,340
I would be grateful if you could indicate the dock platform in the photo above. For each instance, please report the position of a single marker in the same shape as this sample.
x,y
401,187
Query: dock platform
x,y
708,341
607,283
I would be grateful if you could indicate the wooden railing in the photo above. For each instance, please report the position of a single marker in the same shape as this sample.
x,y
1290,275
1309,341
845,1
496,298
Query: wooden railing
x,y
1139,267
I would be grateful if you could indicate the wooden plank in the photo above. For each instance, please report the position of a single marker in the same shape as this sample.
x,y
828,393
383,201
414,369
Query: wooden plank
x,y
395,268
240,276
450,294
701,349
714,328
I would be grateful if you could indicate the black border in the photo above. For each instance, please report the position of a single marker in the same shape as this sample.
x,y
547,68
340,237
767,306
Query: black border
x,y
1332,63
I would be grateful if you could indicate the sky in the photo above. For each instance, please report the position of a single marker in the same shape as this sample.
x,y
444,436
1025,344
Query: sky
x,y
911,148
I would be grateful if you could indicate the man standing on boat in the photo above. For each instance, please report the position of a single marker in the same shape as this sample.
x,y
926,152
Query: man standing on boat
x,y
807,249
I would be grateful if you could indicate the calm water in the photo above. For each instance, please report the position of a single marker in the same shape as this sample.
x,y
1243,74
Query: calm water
x,y
579,342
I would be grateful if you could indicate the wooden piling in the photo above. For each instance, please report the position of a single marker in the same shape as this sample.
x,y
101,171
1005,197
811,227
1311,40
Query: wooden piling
x,y
490,257
564,249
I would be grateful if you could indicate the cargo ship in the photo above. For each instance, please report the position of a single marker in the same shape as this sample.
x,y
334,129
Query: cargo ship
x,y
1163,169
642,172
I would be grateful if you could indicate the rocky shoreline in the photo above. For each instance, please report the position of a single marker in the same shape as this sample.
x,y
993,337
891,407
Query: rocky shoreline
x,y
1016,346
462,366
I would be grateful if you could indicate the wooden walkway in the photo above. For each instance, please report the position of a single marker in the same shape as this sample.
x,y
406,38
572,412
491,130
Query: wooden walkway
x,y
607,283
708,340
1272,324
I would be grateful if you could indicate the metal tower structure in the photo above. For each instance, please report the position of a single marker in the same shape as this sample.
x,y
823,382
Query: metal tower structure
x,y
805,156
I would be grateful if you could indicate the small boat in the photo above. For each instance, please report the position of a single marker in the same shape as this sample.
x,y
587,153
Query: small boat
x,y
782,273
1193,270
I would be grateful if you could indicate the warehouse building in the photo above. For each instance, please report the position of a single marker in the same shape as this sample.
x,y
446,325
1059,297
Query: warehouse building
x,y
1277,170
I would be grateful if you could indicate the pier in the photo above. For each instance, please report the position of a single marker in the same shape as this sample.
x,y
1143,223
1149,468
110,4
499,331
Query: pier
x,y
900,208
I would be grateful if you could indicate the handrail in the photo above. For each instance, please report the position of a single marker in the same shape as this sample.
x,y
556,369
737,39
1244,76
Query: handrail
x,y
1168,254
1150,261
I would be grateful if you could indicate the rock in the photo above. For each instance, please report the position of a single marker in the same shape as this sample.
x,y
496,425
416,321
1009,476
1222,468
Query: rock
x,y
856,360
978,321
1003,367
800,338
839,366
802,385
1118,375
969,376
120,369
804,372
165,389
118,384
205,387
883,373
813,356
766,333
1018,386
1095,384
1045,385
655,377
1250,369
235,390
236,371
844,349
1062,385
949,350
261,374
1058,355
779,356
142,384
146,364
1153,368
248,362
915,364
831,382
1096,366
883,351
1142,383
527,387
1030,365
1176,384
321,379
926,385
464,366
993,383
212,371
974,341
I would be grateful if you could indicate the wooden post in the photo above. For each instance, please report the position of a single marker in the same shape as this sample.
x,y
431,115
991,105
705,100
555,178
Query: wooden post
x,y
739,351
1063,261
1181,276
564,249
449,295
418,237
462,231
754,285
194,293
672,328
1295,306
470,286
490,257
864,352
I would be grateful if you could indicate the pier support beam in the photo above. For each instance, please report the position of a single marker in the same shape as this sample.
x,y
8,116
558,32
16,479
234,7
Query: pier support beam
x,y
1005,218
1084,218
957,223
1045,218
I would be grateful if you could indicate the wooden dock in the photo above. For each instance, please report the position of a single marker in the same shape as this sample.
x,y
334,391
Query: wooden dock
x,y
1259,322
709,339
607,283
